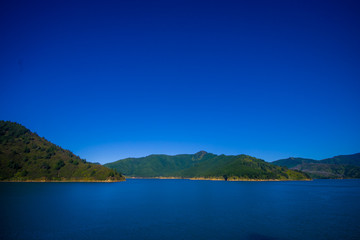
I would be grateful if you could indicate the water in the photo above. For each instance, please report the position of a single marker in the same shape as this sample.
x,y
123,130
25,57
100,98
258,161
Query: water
x,y
181,209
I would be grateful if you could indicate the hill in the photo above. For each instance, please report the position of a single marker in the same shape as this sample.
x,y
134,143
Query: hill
x,y
204,165
24,156
352,159
343,166
292,162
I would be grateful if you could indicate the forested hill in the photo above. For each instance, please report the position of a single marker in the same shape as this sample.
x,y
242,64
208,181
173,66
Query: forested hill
x,y
343,166
352,159
24,156
204,165
292,162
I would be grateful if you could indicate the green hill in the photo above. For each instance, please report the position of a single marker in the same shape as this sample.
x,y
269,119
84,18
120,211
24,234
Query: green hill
x,y
343,166
292,162
204,165
24,156
353,159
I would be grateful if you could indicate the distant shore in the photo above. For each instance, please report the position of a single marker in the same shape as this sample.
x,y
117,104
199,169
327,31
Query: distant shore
x,y
222,179
194,179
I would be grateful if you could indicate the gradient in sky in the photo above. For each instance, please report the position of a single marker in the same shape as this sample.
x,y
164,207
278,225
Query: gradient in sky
x,y
115,79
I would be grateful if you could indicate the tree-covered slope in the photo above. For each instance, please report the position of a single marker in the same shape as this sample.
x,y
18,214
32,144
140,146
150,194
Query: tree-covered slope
x,y
323,170
158,164
343,166
204,165
25,156
292,162
352,159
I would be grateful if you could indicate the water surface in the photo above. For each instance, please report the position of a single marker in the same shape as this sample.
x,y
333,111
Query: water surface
x,y
181,209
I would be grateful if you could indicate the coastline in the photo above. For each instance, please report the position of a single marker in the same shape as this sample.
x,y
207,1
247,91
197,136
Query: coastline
x,y
163,178
222,179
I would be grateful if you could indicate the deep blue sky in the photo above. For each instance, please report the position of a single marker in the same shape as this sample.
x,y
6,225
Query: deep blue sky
x,y
110,80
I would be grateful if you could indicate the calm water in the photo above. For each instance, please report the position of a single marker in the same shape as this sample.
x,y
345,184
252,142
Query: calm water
x,y
181,209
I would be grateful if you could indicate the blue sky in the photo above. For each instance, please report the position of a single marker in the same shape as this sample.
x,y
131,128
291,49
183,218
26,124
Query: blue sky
x,y
115,79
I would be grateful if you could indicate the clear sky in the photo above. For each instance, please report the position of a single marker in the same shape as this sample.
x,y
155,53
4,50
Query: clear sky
x,y
115,79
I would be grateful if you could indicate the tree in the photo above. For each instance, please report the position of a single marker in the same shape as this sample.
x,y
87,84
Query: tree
x,y
59,164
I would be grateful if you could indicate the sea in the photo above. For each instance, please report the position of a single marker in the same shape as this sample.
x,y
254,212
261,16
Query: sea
x,y
158,209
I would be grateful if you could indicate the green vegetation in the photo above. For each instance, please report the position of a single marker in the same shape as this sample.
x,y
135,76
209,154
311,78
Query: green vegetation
x,y
343,166
292,162
204,165
24,156
352,159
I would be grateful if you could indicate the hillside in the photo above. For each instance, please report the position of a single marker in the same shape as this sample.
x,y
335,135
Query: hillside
x,y
204,165
352,159
343,166
24,156
292,162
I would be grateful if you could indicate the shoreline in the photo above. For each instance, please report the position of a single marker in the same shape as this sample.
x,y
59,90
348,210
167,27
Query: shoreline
x,y
221,179
162,178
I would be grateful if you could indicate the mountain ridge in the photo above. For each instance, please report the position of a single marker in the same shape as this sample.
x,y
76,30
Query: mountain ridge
x,y
341,166
205,166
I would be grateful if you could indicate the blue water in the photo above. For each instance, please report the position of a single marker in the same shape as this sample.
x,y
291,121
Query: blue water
x,y
181,209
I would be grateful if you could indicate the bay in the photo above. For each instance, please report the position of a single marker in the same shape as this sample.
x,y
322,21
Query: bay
x,y
181,209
